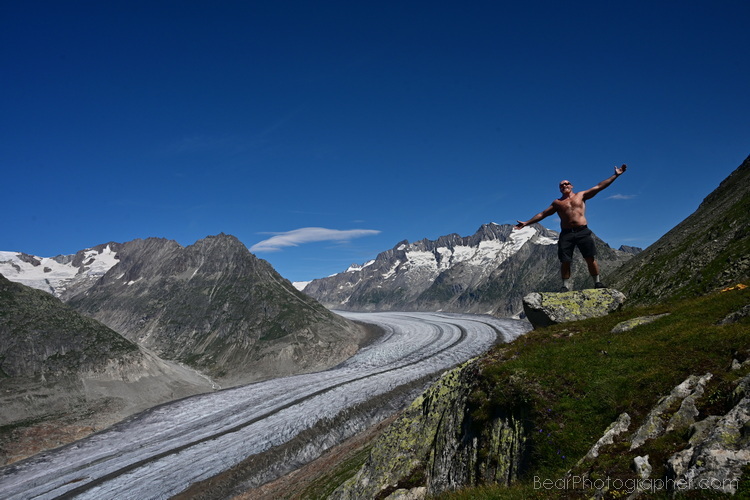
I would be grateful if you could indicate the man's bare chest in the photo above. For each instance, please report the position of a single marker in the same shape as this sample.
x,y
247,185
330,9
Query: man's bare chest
x,y
573,204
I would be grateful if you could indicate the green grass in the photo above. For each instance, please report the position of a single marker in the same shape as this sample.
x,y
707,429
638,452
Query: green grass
x,y
575,379
324,485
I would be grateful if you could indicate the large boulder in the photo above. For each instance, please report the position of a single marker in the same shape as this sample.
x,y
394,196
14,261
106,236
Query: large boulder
x,y
549,308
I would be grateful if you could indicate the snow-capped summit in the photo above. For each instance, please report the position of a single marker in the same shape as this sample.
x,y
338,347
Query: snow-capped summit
x,y
62,275
487,272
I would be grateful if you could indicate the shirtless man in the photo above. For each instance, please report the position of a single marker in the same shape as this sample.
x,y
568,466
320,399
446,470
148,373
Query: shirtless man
x,y
571,207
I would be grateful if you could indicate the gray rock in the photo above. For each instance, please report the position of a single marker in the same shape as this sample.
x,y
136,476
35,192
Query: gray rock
x,y
678,464
549,308
437,439
642,467
411,494
628,325
689,390
736,316
617,427
717,456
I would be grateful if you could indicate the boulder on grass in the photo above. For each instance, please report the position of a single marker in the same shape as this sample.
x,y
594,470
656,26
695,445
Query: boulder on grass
x,y
549,308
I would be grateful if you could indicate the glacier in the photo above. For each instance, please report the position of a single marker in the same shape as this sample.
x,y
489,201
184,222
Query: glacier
x,y
162,451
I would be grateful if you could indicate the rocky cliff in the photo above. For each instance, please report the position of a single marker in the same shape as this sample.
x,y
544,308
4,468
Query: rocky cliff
x,y
487,272
216,307
439,444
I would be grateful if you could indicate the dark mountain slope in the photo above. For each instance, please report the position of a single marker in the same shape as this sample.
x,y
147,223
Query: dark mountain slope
x,y
707,251
41,337
62,370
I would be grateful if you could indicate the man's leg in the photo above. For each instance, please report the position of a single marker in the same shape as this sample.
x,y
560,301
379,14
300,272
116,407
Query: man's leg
x,y
593,266
565,247
588,250
565,275
565,270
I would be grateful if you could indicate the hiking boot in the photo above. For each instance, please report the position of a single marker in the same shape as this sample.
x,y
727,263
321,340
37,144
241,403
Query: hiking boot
x,y
564,289
599,285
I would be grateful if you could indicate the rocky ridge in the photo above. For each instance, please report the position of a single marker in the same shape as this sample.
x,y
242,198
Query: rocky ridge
x,y
488,273
436,445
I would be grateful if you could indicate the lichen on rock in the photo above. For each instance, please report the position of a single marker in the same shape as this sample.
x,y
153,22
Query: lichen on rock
x,y
549,308
436,444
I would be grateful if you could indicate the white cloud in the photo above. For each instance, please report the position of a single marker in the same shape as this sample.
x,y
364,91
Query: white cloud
x,y
621,197
302,235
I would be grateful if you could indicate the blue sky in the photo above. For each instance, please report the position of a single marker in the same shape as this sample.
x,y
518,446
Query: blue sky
x,y
372,122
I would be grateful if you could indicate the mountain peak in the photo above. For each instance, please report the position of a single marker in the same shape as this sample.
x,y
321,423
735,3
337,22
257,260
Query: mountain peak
x,y
489,271
215,306
224,243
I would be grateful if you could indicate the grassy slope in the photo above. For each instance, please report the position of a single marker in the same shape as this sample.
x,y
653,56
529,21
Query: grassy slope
x,y
576,378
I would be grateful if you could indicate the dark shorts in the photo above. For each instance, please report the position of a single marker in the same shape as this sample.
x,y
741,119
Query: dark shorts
x,y
580,237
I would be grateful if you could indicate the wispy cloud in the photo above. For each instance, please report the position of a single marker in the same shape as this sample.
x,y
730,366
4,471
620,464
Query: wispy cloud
x,y
621,197
302,235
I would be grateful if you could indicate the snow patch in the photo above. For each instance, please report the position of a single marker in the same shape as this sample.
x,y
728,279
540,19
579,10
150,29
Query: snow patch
x,y
418,258
52,276
392,271
356,267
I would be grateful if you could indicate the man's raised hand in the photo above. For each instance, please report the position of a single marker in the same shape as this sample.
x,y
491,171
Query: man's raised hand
x,y
620,170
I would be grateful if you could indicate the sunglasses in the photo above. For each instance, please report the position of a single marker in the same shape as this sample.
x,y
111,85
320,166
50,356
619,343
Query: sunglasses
x,y
565,184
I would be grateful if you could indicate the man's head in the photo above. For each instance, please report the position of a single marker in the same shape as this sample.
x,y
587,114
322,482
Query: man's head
x,y
566,187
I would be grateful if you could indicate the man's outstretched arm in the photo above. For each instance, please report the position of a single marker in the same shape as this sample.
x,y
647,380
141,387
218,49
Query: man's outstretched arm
x,y
590,193
541,215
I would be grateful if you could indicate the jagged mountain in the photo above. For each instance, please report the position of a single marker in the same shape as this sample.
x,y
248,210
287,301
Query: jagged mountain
x,y
487,272
216,307
64,275
709,250
59,366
